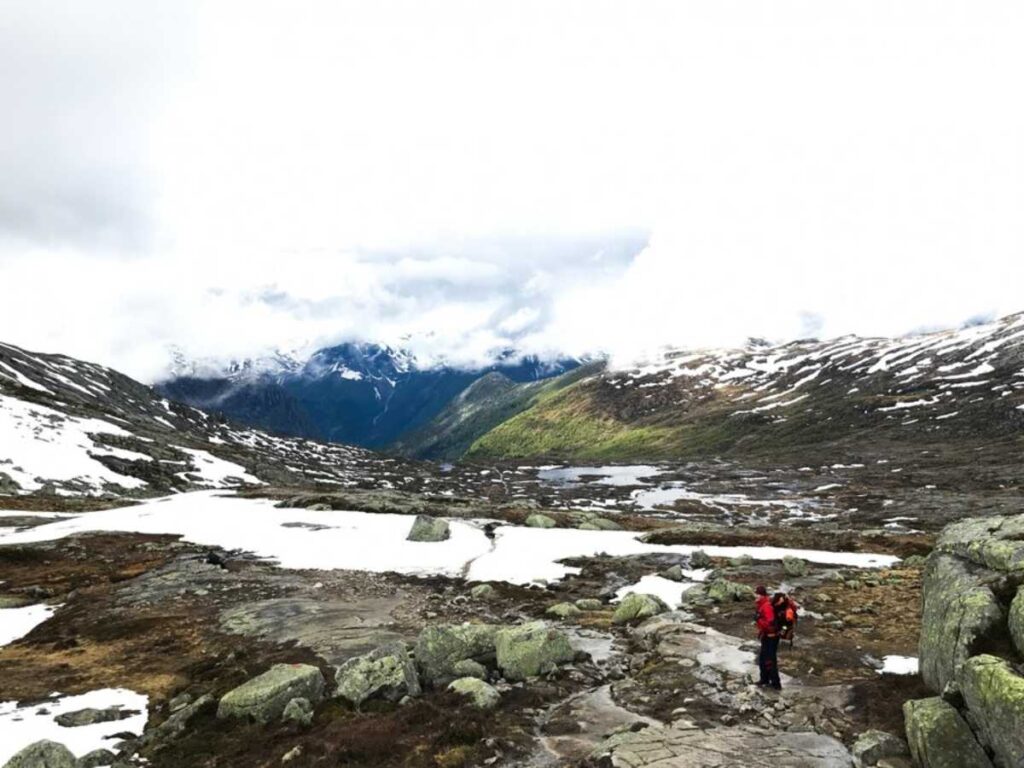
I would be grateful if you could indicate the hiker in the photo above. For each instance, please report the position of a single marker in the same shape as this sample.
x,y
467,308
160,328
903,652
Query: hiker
x,y
768,633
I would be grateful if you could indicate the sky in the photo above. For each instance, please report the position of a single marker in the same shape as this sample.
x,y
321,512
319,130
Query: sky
x,y
466,177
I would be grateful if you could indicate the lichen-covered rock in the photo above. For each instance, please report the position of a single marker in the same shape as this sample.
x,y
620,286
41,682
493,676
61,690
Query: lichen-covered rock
x,y
42,754
531,649
994,542
96,758
92,716
480,694
298,710
872,746
725,591
939,737
537,520
674,573
589,604
597,523
483,592
636,607
175,725
439,648
741,561
959,611
994,695
428,529
563,611
700,559
470,668
794,566
264,698
385,673
1017,620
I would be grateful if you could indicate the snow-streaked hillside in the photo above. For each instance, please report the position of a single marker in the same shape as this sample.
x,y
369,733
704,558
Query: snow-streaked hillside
x,y
75,428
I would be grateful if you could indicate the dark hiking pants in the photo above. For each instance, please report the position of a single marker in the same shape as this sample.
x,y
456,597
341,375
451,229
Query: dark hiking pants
x,y
768,661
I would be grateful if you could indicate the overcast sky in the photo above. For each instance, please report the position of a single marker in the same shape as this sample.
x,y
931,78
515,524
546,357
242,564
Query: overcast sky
x,y
559,176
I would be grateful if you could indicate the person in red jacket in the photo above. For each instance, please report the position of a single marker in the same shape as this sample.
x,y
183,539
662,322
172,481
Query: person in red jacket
x,y
768,633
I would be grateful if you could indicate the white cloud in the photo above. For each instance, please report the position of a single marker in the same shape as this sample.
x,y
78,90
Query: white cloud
x,y
231,177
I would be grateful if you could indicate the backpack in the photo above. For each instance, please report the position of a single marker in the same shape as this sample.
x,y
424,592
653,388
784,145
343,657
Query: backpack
x,y
786,615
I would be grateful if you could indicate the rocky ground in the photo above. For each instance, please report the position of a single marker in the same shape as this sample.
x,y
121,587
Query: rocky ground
x,y
185,625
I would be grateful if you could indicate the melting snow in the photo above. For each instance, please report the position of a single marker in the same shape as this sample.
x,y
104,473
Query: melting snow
x,y
670,592
899,665
21,726
15,623
215,472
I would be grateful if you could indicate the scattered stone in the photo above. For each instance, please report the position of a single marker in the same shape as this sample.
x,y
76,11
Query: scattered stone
x,y
298,710
43,754
292,754
429,529
482,695
872,746
264,698
175,725
636,607
470,668
180,701
92,716
483,592
589,604
675,573
794,566
994,694
537,520
939,737
385,673
725,591
531,649
700,559
563,611
96,758
439,648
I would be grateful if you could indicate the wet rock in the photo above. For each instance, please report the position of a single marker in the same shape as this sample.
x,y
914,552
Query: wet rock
x,y
428,529
483,592
96,758
725,591
439,648
700,559
994,694
563,611
675,573
960,610
872,746
1017,620
384,673
794,566
480,694
92,716
637,607
538,520
175,725
42,754
589,604
939,737
298,710
470,668
531,649
264,698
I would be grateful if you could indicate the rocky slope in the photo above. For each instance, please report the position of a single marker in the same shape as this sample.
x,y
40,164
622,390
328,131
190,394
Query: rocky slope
x,y
362,394
849,397
73,428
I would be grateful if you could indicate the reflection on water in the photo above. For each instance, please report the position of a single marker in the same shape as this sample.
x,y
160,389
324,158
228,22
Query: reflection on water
x,y
631,474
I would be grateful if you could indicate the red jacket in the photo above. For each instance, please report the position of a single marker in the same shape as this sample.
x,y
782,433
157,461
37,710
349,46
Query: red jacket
x,y
765,617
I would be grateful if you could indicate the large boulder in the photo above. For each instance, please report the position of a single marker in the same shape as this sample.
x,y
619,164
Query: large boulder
x,y
939,737
42,754
563,611
439,648
994,542
537,520
960,611
700,559
98,758
1017,620
725,591
636,607
426,528
872,746
480,694
384,673
994,695
531,649
177,723
264,698
794,566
